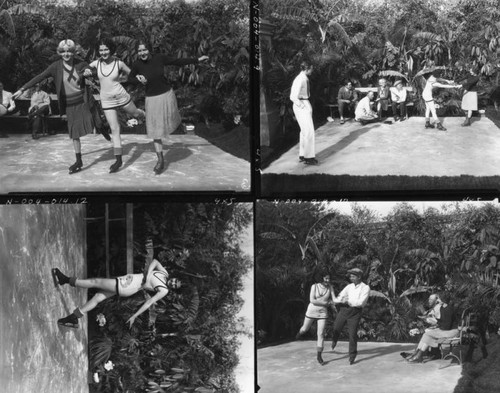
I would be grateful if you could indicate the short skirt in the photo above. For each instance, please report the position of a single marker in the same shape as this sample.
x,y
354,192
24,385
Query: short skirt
x,y
162,115
469,101
316,312
80,121
128,285
115,99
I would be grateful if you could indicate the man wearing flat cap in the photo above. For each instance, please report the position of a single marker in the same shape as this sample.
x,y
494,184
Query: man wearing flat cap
x,y
353,297
398,98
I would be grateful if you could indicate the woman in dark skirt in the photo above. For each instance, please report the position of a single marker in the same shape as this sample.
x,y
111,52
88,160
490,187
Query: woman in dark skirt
x,y
162,114
71,94
469,99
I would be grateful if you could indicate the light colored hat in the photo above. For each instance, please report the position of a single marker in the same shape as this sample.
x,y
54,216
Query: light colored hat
x,y
356,271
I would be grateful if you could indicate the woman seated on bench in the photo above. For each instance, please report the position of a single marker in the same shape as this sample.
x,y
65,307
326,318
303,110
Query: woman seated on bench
x,y
7,104
39,107
447,328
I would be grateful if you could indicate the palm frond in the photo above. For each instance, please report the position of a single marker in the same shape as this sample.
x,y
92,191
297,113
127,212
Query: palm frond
x,y
413,290
392,73
427,36
292,13
100,350
7,24
420,253
192,309
379,294
19,9
341,33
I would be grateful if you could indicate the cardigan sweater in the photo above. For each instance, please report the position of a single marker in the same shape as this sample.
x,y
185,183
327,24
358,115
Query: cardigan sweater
x,y
55,70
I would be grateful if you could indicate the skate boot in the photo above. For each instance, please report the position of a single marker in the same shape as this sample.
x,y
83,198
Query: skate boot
x,y
320,358
440,127
70,321
116,165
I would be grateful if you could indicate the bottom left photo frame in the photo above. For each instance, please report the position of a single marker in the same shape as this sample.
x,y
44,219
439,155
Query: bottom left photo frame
x,y
127,297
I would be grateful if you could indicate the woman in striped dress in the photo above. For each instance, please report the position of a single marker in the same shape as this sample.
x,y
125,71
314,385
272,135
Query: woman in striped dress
x,y
320,298
110,70
155,280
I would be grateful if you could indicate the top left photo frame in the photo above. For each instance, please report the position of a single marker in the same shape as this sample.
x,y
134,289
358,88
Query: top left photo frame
x,y
125,96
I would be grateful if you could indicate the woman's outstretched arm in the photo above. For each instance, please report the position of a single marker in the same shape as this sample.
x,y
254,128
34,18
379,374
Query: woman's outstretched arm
x,y
156,265
148,303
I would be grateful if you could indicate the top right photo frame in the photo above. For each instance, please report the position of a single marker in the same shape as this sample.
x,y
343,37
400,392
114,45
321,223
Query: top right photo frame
x,y
379,97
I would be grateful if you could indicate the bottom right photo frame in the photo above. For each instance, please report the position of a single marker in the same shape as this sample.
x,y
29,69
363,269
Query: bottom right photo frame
x,y
377,296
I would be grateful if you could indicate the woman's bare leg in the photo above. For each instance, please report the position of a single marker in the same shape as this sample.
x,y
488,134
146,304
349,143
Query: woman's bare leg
x,y
96,299
132,110
104,284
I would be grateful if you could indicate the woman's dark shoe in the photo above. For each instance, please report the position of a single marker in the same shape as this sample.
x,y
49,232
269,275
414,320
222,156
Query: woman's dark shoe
x,y
352,359
417,358
160,164
429,125
320,359
466,122
440,127
117,164
69,321
59,277
406,355
77,166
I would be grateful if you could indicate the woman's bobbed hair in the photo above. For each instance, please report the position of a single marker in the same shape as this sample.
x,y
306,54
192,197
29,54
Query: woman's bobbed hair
x,y
70,44
107,42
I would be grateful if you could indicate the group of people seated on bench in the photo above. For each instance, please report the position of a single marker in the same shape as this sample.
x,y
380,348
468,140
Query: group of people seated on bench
x,y
395,96
39,108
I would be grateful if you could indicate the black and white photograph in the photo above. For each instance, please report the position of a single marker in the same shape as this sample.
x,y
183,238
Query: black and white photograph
x,y
127,298
377,296
133,96
367,96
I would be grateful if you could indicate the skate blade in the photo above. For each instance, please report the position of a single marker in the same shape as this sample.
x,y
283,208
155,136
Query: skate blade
x,y
67,324
54,277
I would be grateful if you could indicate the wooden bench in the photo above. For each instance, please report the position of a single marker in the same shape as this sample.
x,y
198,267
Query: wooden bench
x,y
465,334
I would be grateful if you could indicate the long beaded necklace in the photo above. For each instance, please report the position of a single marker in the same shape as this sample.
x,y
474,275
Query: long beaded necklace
x,y
110,72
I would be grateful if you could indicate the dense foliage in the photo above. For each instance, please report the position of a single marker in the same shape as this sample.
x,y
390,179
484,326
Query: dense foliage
x,y
31,30
363,41
189,340
405,256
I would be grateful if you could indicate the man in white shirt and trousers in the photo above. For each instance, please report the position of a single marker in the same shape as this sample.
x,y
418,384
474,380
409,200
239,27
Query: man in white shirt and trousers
x,y
364,112
302,109
353,297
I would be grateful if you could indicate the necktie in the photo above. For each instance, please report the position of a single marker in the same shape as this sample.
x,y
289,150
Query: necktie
x,y
71,73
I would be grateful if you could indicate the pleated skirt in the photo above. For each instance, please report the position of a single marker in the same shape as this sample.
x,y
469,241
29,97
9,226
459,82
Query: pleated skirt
x,y
79,120
162,115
